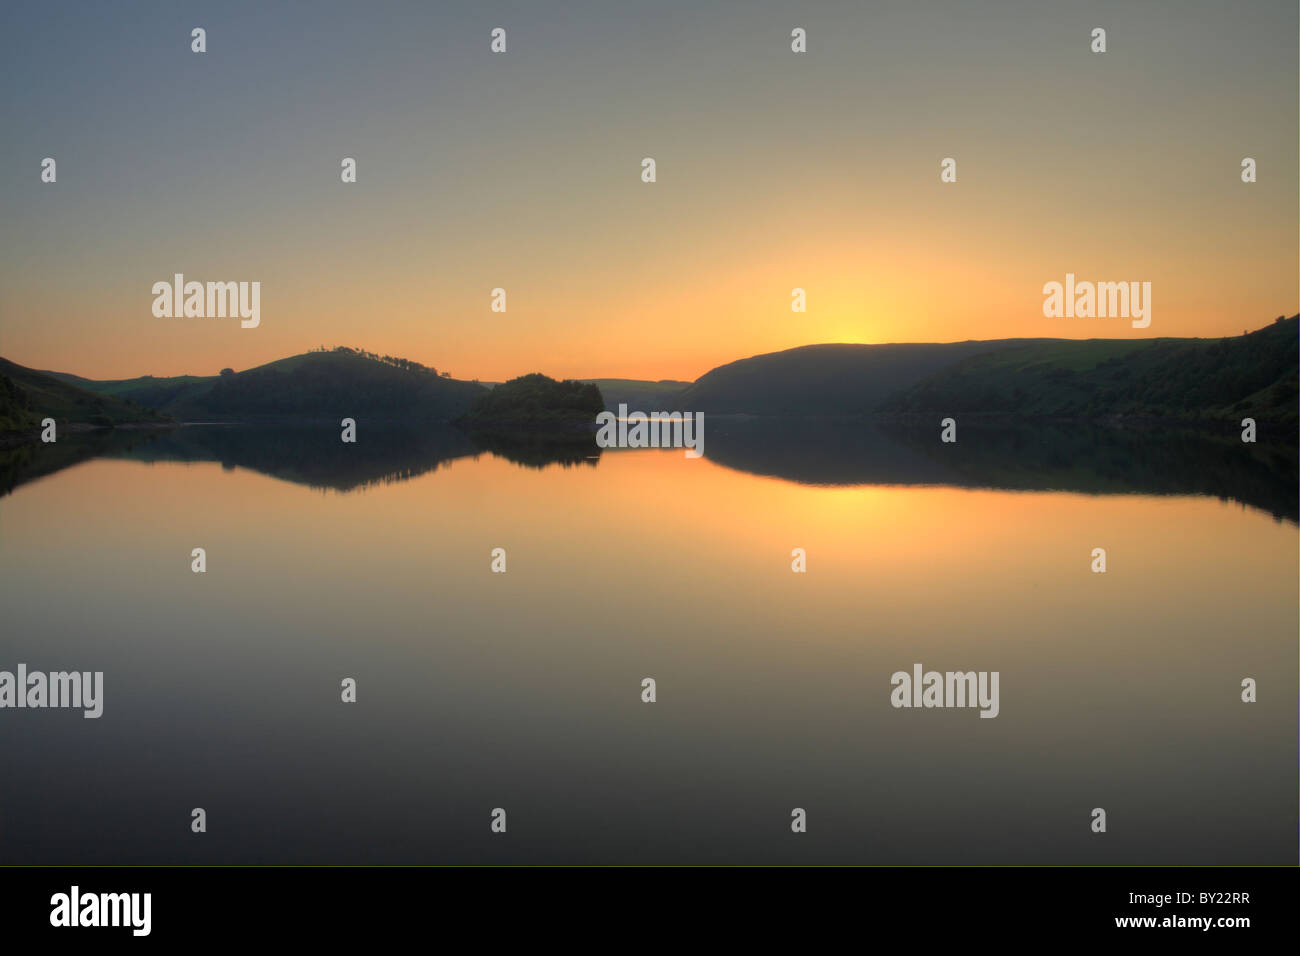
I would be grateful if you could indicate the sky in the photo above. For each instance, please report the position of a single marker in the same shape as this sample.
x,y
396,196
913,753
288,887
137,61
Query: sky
x,y
522,171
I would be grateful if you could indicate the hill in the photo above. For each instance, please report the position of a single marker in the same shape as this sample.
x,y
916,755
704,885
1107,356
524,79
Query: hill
x,y
27,396
537,399
16,412
1254,375
1190,379
823,380
323,385
638,394
146,390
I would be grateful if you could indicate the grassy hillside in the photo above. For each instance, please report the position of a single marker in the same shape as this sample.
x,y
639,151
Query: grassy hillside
x,y
16,412
27,396
1252,375
826,379
147,390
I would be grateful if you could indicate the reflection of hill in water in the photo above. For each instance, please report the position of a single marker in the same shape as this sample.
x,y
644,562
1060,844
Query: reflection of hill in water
x,y
29,461
539,448
1039,457
312,456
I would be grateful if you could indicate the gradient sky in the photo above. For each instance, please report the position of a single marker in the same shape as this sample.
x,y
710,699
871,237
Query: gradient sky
x,y
522,170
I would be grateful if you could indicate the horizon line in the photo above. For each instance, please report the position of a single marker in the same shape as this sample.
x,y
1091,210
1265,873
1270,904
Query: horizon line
x,y
793,348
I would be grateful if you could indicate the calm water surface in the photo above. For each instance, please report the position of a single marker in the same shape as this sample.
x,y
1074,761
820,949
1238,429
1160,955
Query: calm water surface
x,y
522,690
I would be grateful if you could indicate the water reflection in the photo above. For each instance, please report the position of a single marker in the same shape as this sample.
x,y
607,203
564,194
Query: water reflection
x,y
1042,457
523,690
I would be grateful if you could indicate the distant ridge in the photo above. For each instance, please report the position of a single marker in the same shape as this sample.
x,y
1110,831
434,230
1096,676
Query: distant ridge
x,y
1190,379
1251,375
827,379
638,394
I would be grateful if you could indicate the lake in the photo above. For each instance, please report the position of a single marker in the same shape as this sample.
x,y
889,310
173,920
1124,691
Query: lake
x,y
523,690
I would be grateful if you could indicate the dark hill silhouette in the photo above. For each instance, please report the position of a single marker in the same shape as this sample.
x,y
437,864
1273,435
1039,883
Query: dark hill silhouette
x,y
321,386
537,399
820,380
1254,374
1187,379
147,390
27,396
1251,375
16,412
